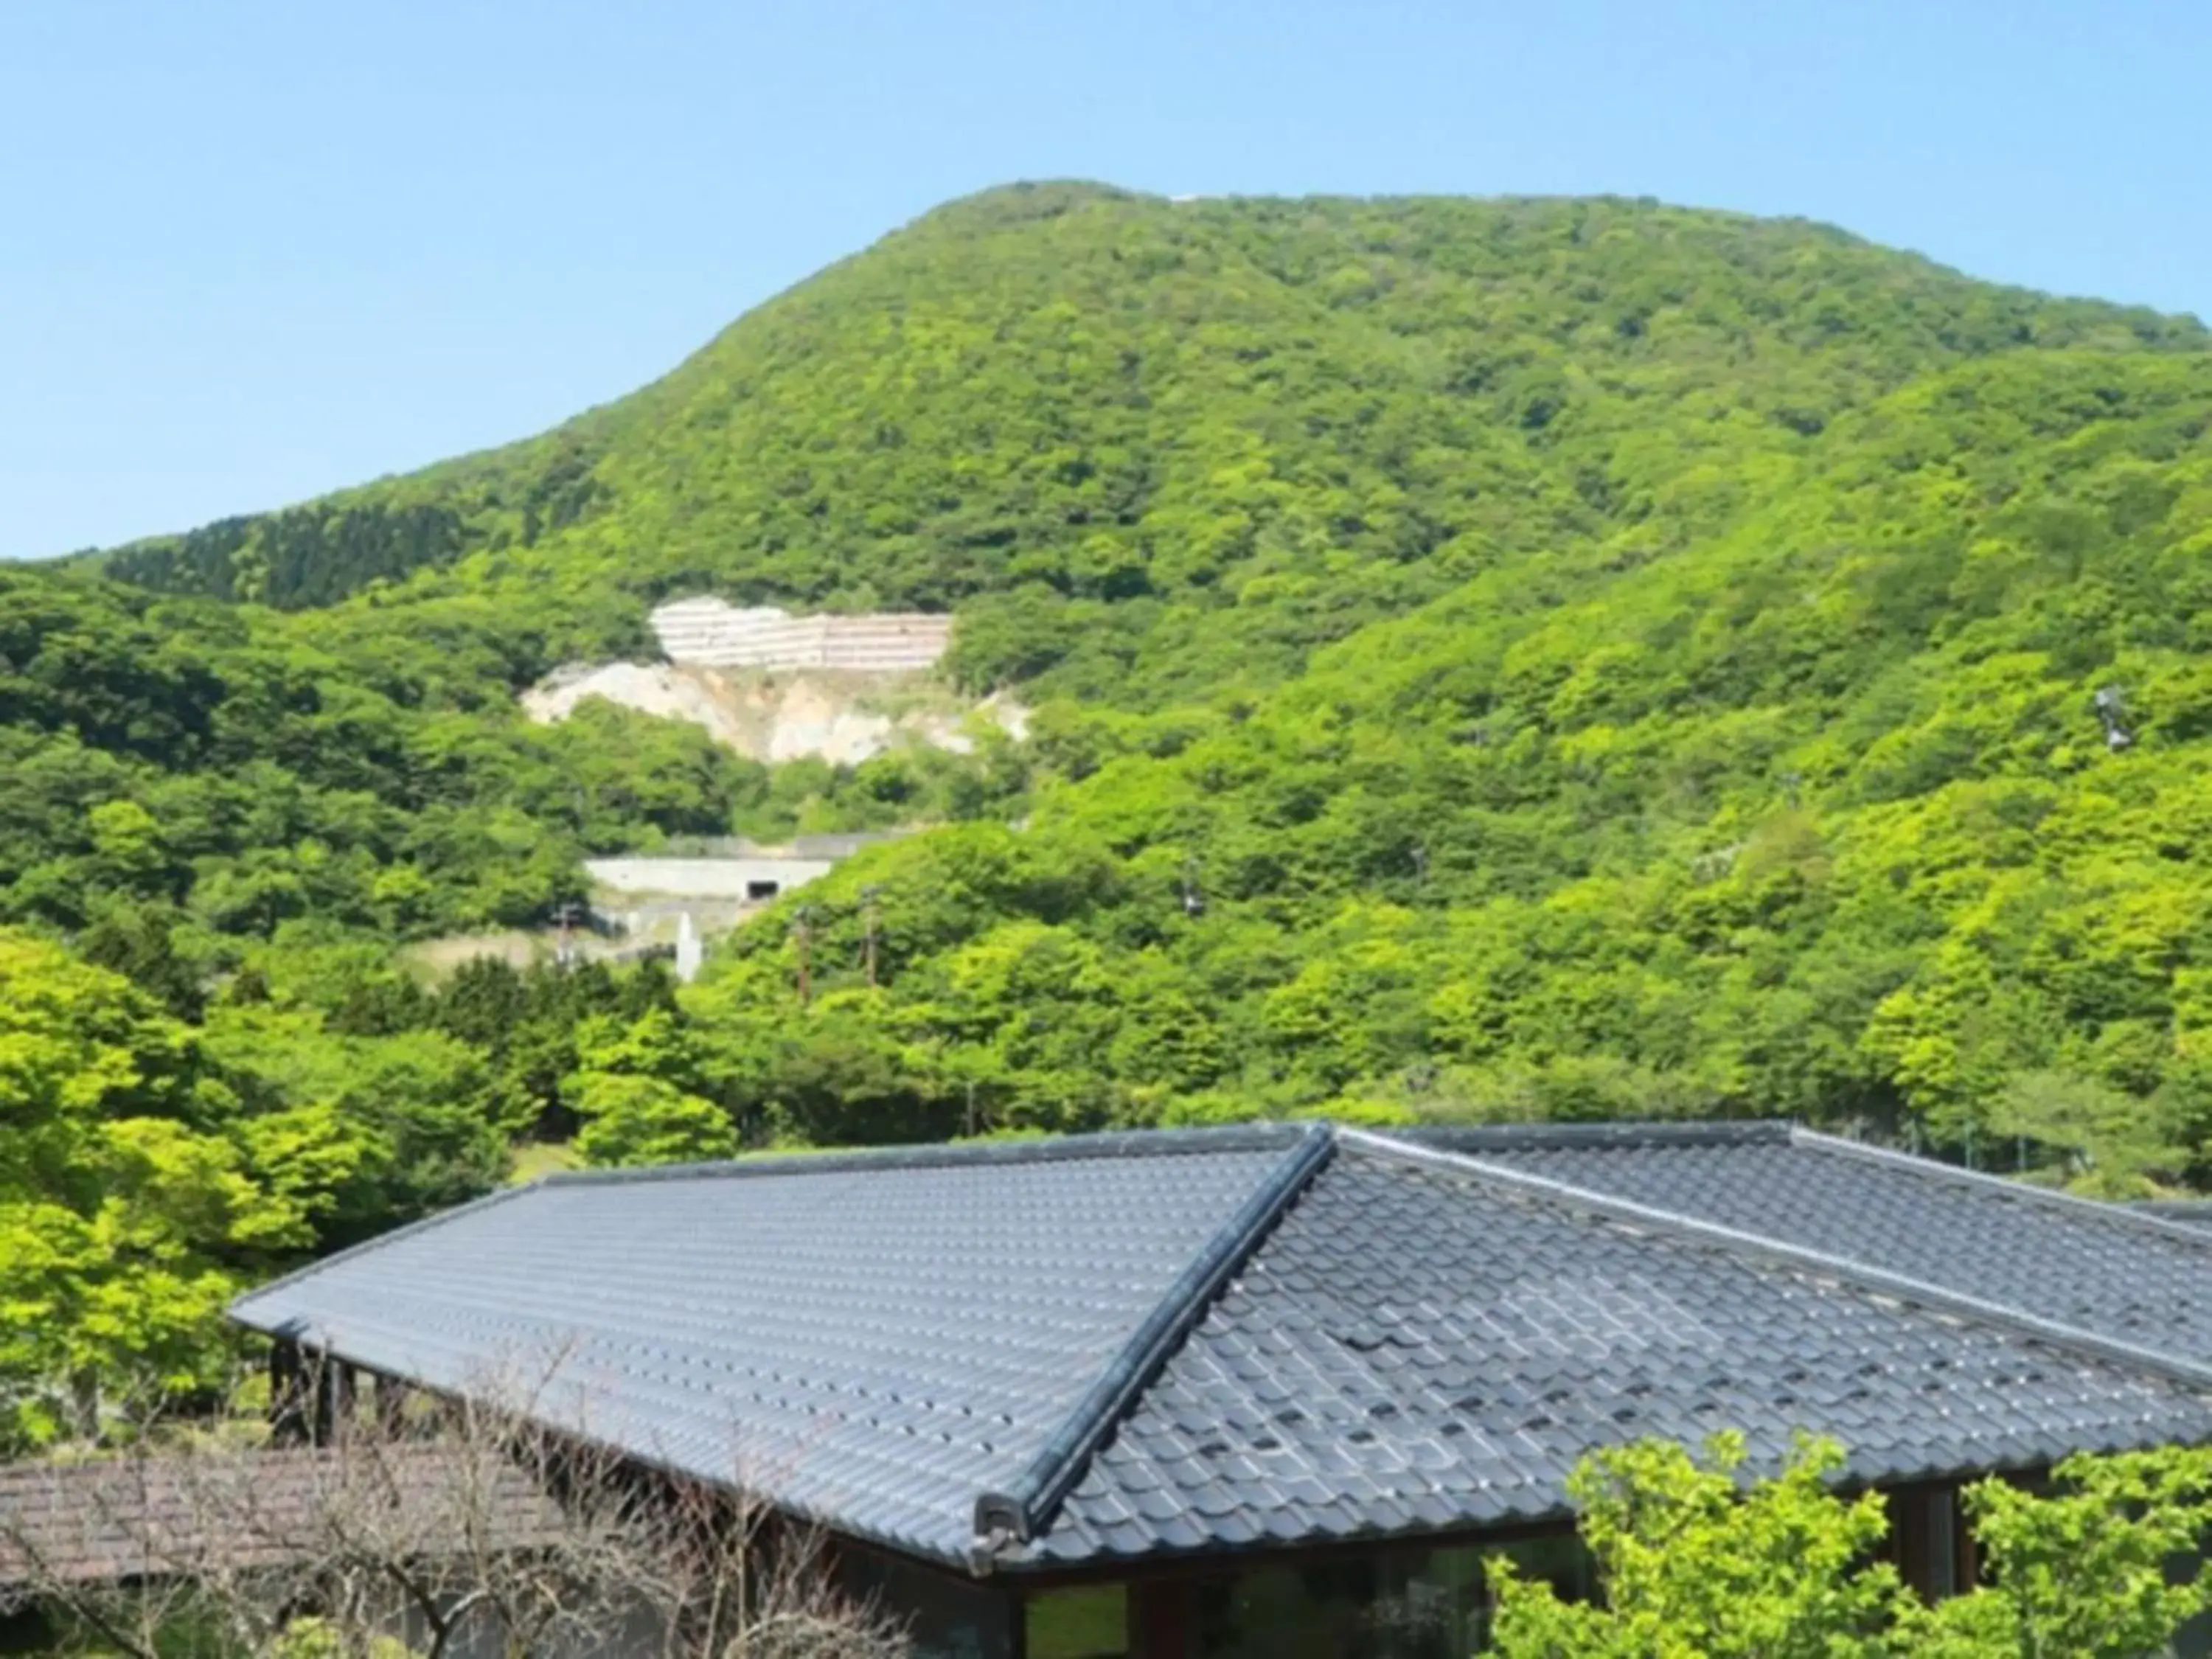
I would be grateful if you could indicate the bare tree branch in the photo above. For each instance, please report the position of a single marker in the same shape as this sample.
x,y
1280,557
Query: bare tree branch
x,y
463,1524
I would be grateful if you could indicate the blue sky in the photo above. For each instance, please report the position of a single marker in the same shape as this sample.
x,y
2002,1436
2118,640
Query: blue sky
x,y
250,251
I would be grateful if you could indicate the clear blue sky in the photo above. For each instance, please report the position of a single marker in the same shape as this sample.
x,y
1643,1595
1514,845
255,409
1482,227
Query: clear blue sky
x,y
249,251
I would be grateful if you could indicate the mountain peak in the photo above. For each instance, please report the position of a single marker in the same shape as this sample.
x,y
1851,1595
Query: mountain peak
x,y
1059,397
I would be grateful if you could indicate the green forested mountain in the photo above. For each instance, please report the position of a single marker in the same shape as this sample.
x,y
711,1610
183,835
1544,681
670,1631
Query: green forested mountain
x,y
1189,438
1563,658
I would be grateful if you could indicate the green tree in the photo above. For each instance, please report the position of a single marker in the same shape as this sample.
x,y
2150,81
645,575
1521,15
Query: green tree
x,y
400,1126
631,1119
1688,1565
128,1218
2092,1569
1693,1562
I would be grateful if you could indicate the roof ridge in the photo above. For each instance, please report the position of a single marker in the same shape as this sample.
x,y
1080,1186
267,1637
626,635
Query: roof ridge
x,y
1876,1279
1020,1512
1045,1149
1698,1132
1930,1169
1042,1149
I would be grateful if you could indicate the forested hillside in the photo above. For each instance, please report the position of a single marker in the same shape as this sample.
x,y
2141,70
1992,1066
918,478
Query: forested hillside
x,y
1147,448
1820,816
1490,658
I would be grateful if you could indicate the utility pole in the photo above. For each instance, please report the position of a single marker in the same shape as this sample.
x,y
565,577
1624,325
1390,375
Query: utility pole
x,y
803,934
868,938
566,914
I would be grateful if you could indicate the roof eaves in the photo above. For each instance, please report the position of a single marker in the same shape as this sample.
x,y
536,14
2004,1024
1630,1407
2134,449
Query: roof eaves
x,y
1020,1513
810,1513
2195,1214
1927,1169
1857,1274
236,1309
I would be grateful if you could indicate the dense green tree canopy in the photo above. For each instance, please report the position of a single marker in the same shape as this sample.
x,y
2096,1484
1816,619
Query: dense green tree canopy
x,y
151,1168
1491,658
126,1208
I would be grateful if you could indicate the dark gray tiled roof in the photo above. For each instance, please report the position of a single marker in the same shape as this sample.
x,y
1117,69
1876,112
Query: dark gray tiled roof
x,y
871,1342
1419,1349
1119,1346
2101,1268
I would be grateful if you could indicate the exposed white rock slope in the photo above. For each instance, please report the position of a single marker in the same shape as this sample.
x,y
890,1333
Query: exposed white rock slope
x,y
778,687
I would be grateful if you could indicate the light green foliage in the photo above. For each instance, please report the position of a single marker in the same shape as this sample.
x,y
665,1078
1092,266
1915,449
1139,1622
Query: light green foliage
x,y
310,1638
367,1131
149,1170
1116,423
632,1089
127,1214
2114,1136
630,1119
1691,1568
2091,1570
185,778
1692,1564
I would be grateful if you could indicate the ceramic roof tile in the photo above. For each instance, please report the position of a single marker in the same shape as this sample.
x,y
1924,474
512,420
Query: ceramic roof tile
x,y
1460,1343
2102,1268
869,1341
1416,1342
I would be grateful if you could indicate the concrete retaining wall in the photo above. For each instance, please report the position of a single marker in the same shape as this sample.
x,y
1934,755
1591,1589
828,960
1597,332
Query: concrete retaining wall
x,y
704,879
709,633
